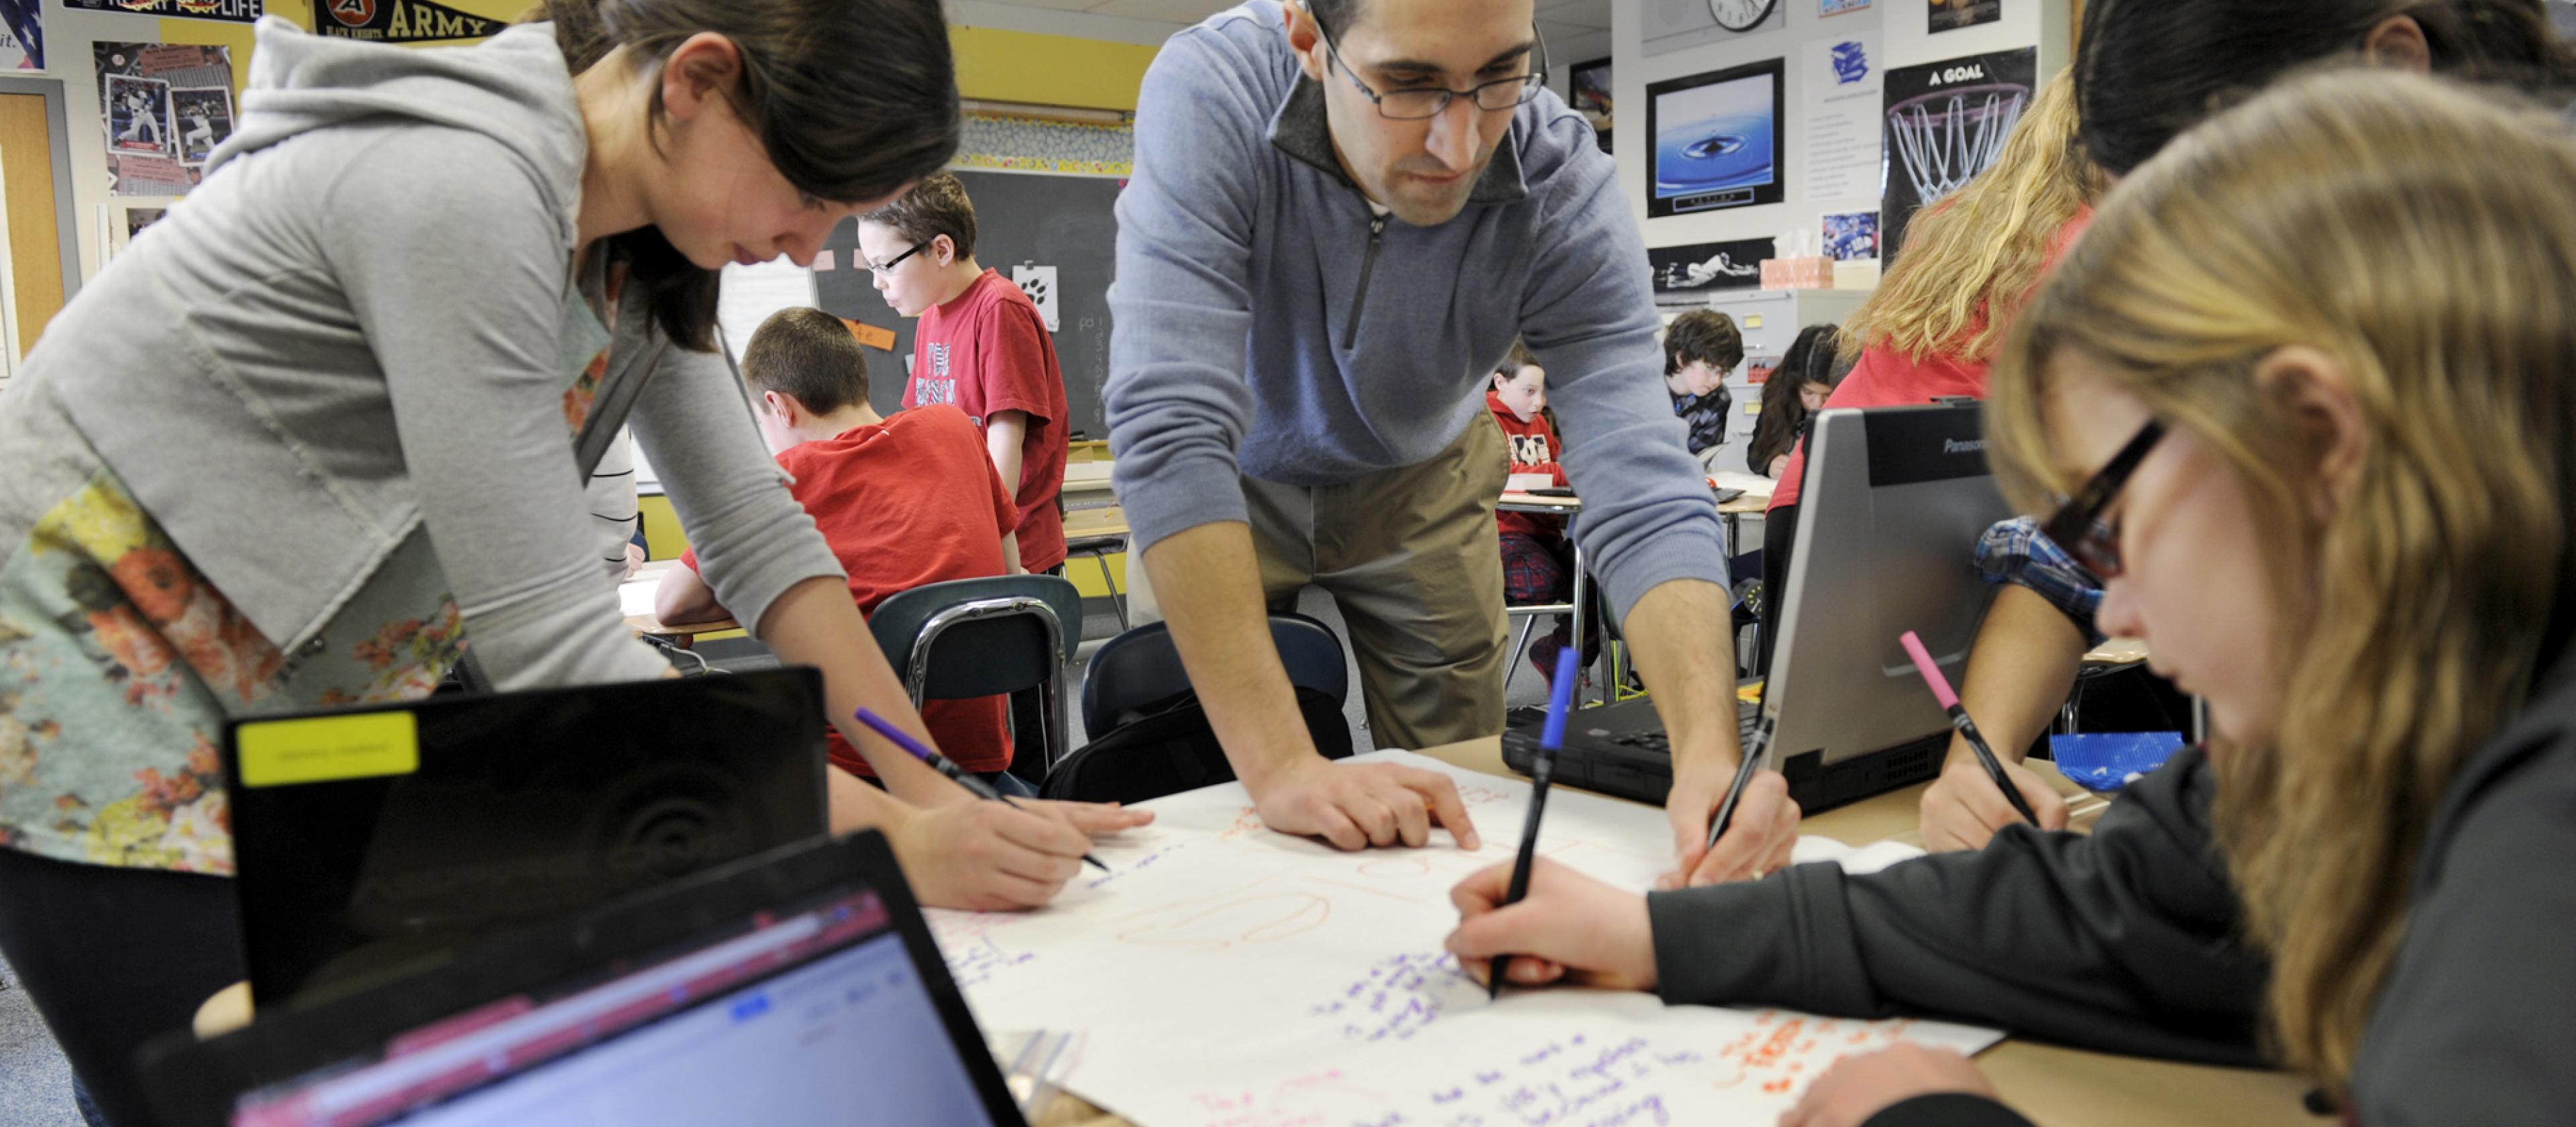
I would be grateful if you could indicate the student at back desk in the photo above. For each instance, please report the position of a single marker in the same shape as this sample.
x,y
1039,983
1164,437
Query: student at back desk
x,y
981,347
1538,560
902,502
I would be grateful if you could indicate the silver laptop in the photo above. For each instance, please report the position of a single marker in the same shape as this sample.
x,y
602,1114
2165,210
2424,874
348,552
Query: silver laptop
x,y
1894,502
1888,521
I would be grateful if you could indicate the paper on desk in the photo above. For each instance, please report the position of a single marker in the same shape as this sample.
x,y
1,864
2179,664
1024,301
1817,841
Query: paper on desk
x,y
635,596
1753,485
1229,974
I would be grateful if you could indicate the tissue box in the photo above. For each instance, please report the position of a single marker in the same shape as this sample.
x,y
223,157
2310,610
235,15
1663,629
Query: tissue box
x,y
1797,273
1856,274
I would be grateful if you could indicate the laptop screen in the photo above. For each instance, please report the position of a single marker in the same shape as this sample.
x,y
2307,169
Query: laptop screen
x,y
798,1018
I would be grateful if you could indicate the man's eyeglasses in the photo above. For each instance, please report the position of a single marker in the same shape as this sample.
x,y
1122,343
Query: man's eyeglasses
x,y
891,263
2078,527
1415,104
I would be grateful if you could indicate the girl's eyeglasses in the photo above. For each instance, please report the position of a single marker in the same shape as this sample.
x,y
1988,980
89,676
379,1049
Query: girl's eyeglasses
x,y
2078,527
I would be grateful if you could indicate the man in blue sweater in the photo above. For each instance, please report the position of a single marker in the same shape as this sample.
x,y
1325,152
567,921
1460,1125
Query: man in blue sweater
x,y
1342,214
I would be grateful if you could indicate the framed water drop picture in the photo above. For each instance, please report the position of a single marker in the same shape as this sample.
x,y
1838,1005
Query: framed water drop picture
x,y
1719,141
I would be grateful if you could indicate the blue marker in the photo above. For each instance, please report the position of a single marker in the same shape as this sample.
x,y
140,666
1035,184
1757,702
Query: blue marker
x,y
1560,702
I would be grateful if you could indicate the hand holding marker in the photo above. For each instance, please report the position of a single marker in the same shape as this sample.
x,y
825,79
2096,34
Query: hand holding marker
x,y
1744,768
1959,720
1560,700
946,766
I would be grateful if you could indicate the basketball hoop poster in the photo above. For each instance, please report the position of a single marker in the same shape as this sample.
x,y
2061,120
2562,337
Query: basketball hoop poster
x,y
1843,82
1947,122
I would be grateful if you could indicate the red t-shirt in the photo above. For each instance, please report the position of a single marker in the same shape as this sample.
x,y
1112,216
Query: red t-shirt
x,y
989,351
909,501
1533,449
1888,378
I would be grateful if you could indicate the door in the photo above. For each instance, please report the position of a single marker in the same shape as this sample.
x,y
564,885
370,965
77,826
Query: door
x,y
35,263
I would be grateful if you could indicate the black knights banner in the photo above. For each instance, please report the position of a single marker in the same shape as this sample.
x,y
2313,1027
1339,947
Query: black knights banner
x,y
400,21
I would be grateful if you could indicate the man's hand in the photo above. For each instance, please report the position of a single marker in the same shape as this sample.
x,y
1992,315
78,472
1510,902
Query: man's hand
x,y
1568,926
1758,838
1679,631
1963,808
1207,580
986,856
1856,1088
1355,806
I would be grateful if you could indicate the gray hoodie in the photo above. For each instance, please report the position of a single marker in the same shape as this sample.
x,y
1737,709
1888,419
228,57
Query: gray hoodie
x,y
362,325
1270,325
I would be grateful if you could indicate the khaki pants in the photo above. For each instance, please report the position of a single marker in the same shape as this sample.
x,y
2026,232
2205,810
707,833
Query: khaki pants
x,y
1411,559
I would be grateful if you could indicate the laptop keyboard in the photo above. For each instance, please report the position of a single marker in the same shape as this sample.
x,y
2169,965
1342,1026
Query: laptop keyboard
x,y
1746,716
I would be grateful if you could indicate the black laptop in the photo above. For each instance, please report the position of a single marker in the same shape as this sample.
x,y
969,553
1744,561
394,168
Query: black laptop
x,y
370,838
792,989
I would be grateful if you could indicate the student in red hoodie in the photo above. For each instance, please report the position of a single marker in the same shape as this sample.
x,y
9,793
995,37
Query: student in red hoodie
x,y
1538,560
902,502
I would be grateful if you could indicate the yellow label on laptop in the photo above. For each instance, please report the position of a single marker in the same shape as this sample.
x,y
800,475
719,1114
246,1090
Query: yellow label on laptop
x,y
323,749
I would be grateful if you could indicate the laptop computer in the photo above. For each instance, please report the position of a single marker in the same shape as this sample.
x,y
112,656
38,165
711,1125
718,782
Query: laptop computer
x,y
1894,502
799,987
367,838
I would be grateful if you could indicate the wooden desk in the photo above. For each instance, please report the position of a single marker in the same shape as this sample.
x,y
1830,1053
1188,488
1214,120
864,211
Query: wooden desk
x,y
635,600
1100,534
2054,1087
1087,486
1093,523
1518,502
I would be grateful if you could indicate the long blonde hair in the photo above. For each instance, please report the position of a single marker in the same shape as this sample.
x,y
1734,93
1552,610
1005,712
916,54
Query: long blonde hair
x,y
1972,259
2424,237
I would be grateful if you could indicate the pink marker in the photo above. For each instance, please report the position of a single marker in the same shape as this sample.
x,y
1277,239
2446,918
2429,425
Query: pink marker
x,y
1959,719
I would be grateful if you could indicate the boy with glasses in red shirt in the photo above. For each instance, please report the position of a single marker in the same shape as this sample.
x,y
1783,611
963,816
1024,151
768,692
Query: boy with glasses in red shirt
x,y
981,347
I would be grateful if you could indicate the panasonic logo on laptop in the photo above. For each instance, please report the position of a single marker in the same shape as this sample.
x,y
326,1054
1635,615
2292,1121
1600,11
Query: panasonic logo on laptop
x,y
1954,446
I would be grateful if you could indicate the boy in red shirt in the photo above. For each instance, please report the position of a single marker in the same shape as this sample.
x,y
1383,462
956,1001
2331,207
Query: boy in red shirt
x,y
981,347
1538,560
902,501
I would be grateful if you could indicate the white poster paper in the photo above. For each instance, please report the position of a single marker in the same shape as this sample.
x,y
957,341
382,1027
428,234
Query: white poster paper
x,y
1843,88
1319,993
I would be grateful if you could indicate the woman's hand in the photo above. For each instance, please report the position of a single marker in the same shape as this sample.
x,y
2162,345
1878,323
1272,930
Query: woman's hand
x,y
1569,927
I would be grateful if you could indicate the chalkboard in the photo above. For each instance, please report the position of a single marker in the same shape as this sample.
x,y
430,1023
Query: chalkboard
x,y
1021,220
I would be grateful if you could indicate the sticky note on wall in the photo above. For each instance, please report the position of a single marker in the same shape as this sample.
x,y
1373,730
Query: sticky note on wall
x,y
320,749
871,335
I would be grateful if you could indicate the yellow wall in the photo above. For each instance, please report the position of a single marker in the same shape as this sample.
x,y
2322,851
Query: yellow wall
x,y
1047,70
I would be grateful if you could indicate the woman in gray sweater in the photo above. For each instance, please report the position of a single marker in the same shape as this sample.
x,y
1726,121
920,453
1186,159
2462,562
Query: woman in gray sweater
x,y
327,425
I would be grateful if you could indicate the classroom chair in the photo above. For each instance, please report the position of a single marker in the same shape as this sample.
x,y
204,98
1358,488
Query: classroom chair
x,y
1527,615
983,638
1148,737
